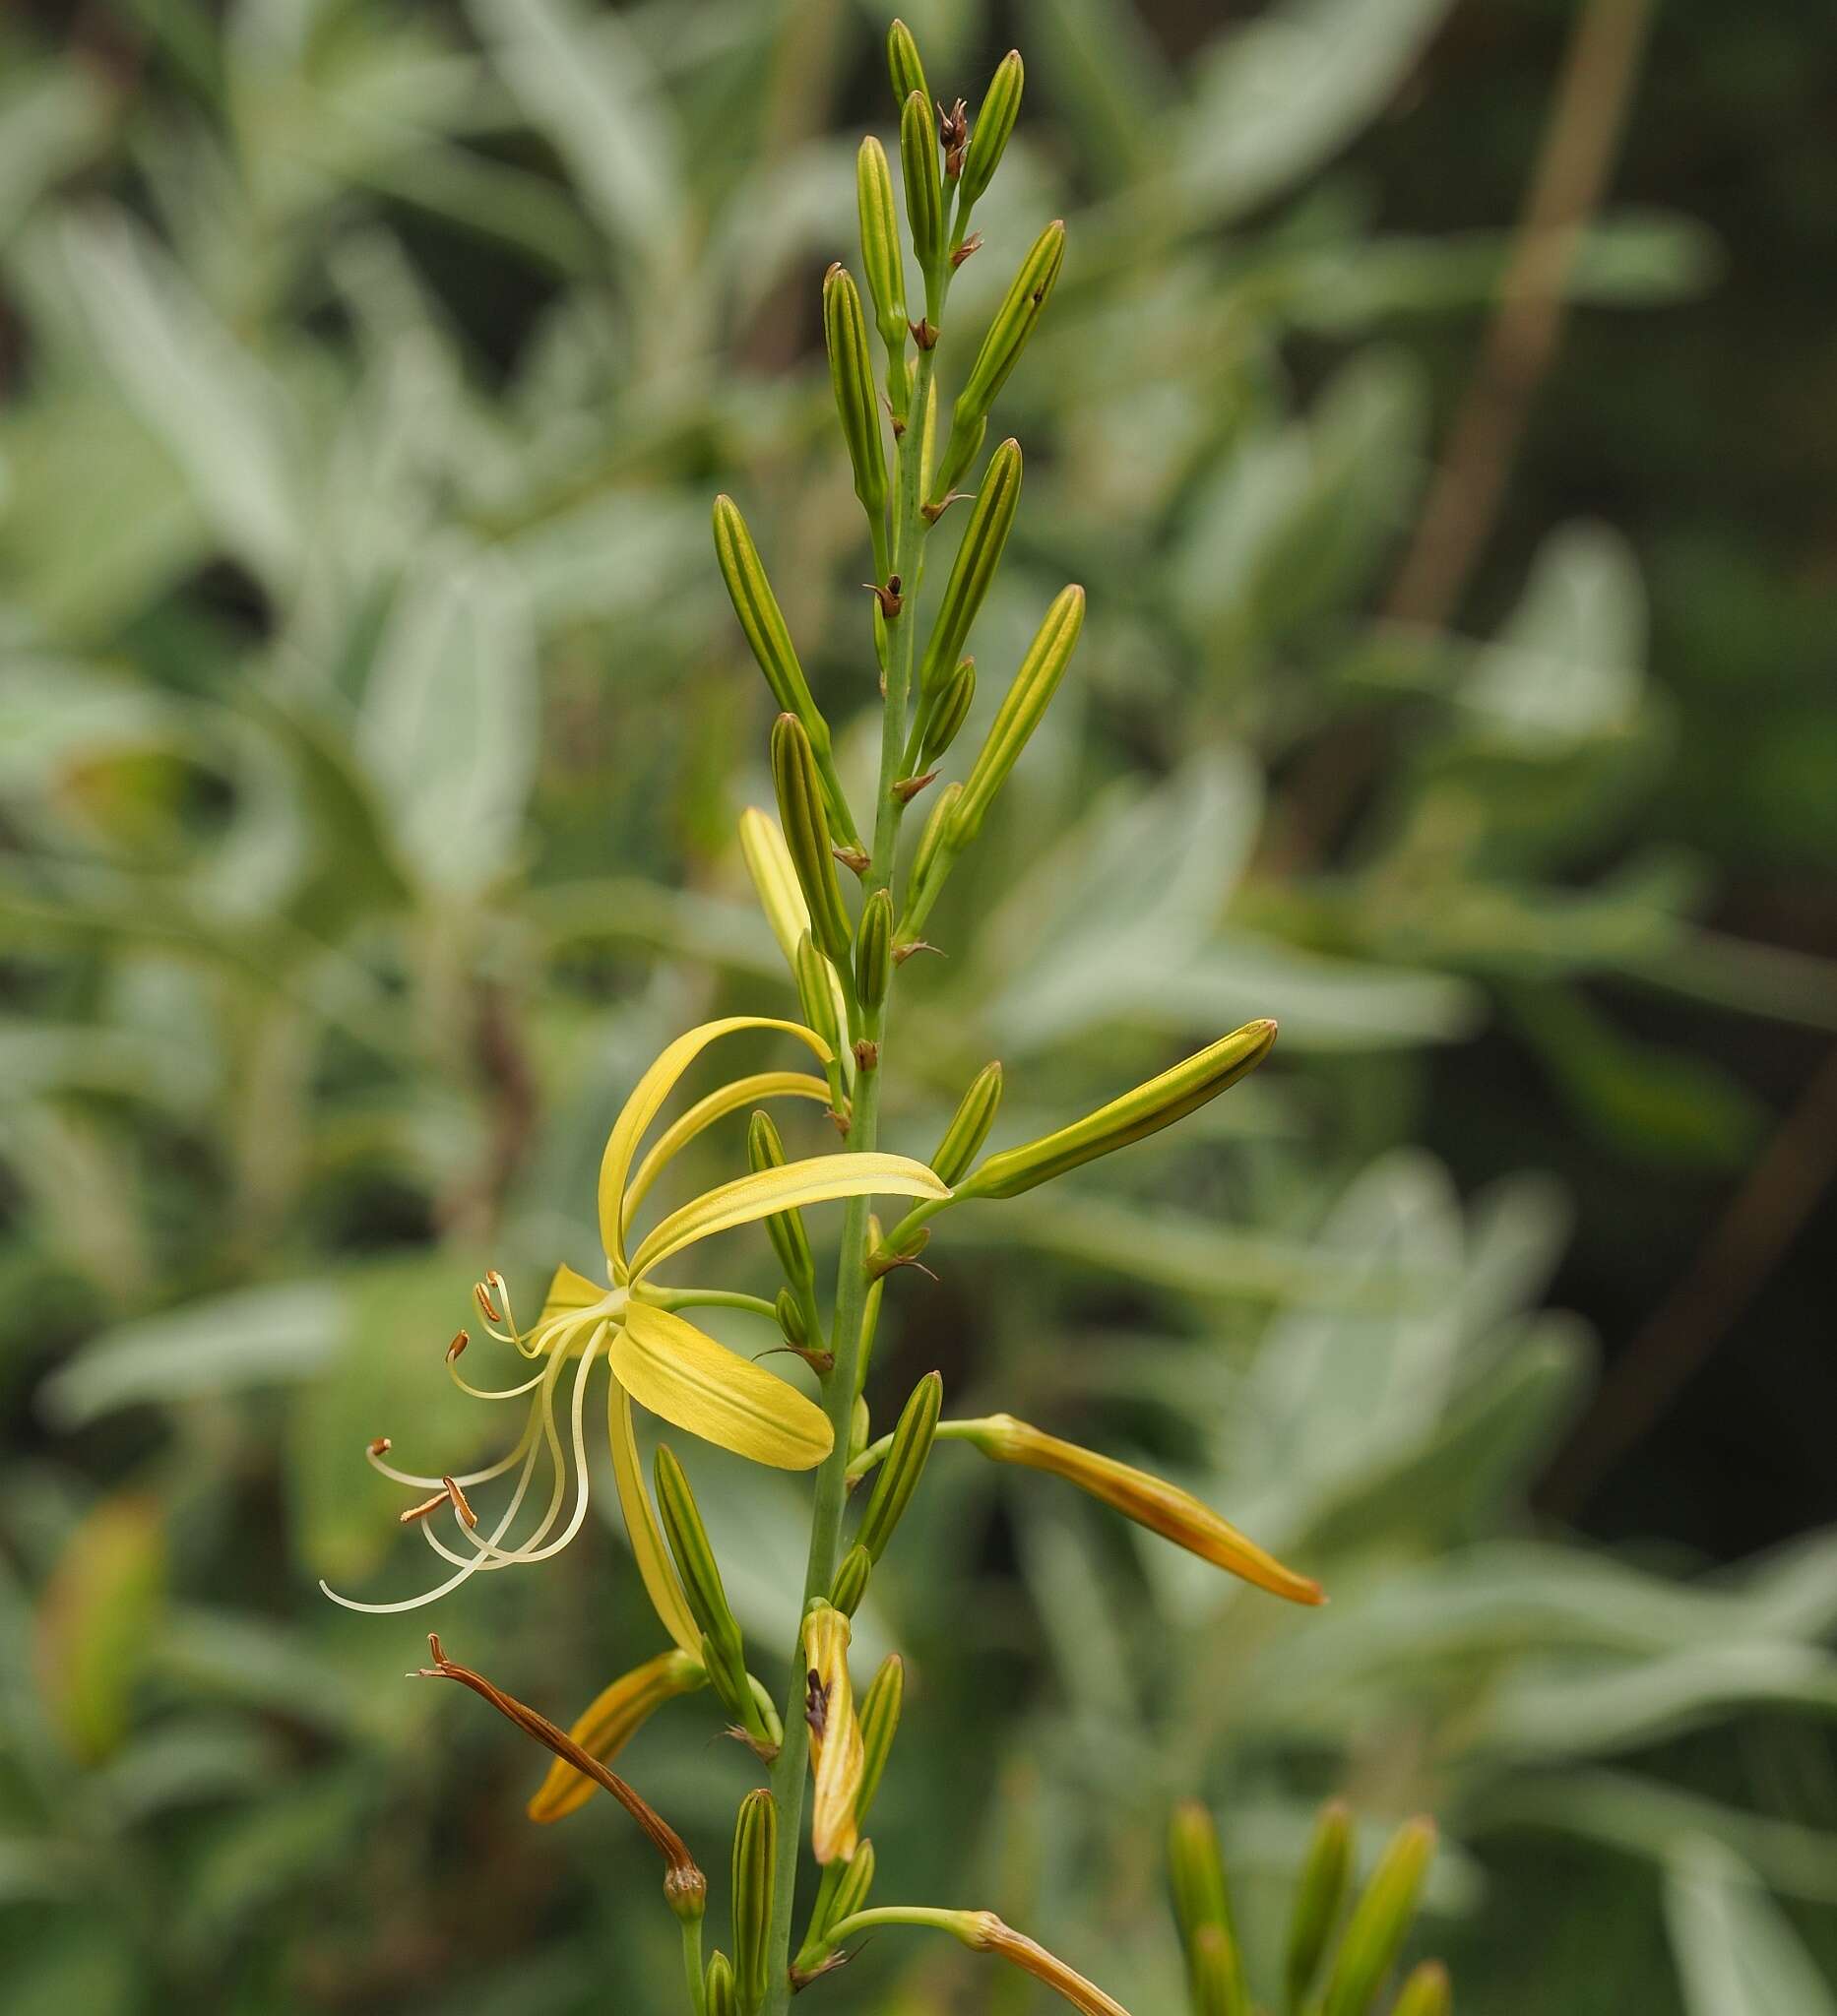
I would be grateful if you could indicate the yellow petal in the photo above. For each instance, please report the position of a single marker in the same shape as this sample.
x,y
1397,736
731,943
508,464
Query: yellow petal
x,y
681,1373
837,1754
820,1179
655,1569
610,1725
570,1293
775,879
723,1100
648,1096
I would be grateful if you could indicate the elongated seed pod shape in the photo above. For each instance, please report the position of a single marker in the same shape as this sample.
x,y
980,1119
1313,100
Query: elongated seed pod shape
x,y
1380,1919
904,66
924,192
969,1124
1007,336
695,1559
807,834
1318,1898
904,1465
978,555
882,259
790,1242
994,123
851,377
755,1863
1147,1110
1022,709
762,620
954,701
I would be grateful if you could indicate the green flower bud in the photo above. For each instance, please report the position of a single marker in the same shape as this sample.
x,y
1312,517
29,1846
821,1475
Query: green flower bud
x,y
949,714
763,621
816,992
978,556
790,1319
851,376
904,66
931,841
1318,1898
855,1882
790,1242
988,137
722,1998
807,834
904,1463
1379,1920
969,1124
859,1428
1427,1993
882,259
755,1862
873,950
924,192
1019,713
1132,1118
879,1719
1215,1971
1203,1905
696,1564
851,1583
1020,308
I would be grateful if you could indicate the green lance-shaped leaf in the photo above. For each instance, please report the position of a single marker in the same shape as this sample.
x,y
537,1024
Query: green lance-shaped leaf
x,y
879,1719
722,1998
765,1149
873,950
1379,1921
978,557
807,834
1203,1905
988,137
1022,709
904,66
1014,322
1318,1898
925,192
904,1463
851,377
1132,1118
755,1861
700,1572
850,1581
882,258
1428,1991
949,714
969,1125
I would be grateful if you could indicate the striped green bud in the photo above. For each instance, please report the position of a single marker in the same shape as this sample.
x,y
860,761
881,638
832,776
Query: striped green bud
x,y
1318,1898
1020,308
904,1466
1132,1118
988,137
882,258
873,950
851,1583
931,839
859,1428
879,1719
1203,1905
792,1326
1022,709
816,992
790,1242
979,554
1379,1920
755,1863
904,66
843,1891
696,1563
924,192
851,377
807,834
969,1124
950,712
1215,1974
722,1998
1427,1993
762,620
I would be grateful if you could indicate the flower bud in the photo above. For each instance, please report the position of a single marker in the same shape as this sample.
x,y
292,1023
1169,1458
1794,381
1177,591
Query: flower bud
x,y
1379,1920
775,881
1425,1993
988,137
1318,1898
979,554
817,991
1151,1501
807,834
608,1725
790,1323
850,1584
924,192
790,1242
843,1891
722,1998
1019,713
930,847
836,1750
763,621
904,1465
904,66
858,1427
879,1722
851,377
954,701
1020,308
1215,1971
969,1124
1203,1905
882,259
873,950
755,1863
696,1564
851,1892
1133,1117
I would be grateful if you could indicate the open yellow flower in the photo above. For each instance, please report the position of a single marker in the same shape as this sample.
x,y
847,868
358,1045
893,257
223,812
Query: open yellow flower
x,y
655,1356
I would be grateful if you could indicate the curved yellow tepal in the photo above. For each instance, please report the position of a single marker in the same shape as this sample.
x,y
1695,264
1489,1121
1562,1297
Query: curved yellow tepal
x,y
682,1374
569,1293
774,880
723,1100
820,1179
615,1717
656,1570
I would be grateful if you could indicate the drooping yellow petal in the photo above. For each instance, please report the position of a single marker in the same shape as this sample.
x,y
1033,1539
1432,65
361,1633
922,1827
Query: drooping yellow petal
x,y
723,1100
655,1569
610,1725
569,1293
680,1372
648,1096
819,1179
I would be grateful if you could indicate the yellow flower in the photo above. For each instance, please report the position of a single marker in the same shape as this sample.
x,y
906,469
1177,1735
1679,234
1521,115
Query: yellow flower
x,y
656,1356
838,1758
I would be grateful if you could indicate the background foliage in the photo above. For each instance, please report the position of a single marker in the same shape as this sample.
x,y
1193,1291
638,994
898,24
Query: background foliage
x,y
373,733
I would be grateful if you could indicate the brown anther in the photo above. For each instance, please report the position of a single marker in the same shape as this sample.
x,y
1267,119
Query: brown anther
x,y
971,245
457,1499
816,1702
852,857
381,1446
422,1510
481,1295
953,132
867,1054
924,332
889,597
907,789
460,1341
901,953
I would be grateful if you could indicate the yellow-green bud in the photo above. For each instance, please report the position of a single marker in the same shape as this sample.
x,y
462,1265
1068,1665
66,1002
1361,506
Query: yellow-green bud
x,y
1203,1905
851,377
904,1463
931,838
816,992
755,1863
807,834
790,1323
924,192
978,556
969,1124
790,1242
1132,1118
722,2000
1318,1898
1379,1921
1019,713
882,259
696,1564
855,1881
988,137
1020,308
859,1427
1427,1993
904,66
949,714
873,950
880,1717
850,1582
763,621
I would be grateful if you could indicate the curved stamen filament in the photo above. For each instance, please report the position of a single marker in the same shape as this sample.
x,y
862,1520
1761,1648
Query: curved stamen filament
x,y
469,1476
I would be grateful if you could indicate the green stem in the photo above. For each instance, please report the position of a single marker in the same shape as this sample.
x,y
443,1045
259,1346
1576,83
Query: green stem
x,y
674,1299
692,1965
875,1453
